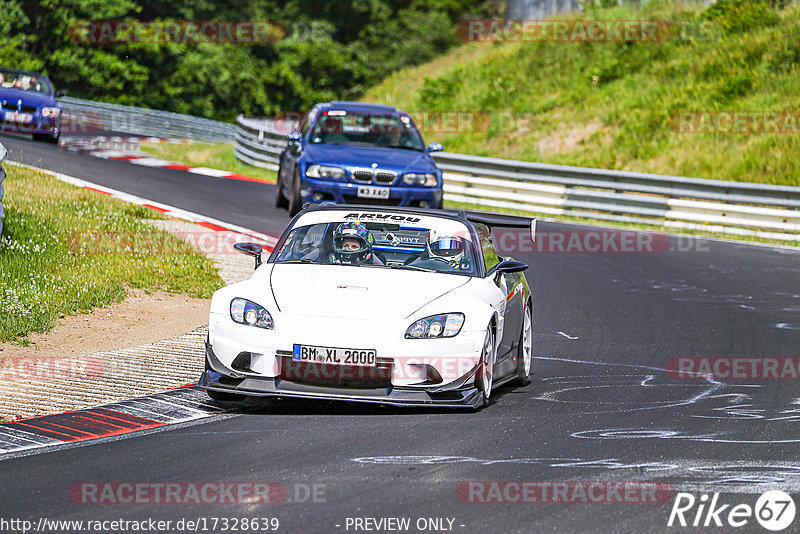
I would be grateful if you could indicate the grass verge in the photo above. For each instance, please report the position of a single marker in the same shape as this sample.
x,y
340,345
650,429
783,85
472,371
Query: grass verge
x,y
619,105
214,156
66,250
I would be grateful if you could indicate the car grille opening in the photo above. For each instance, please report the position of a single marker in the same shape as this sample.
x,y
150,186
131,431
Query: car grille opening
x,y
242,362
385,177
362,176
337,376
28,109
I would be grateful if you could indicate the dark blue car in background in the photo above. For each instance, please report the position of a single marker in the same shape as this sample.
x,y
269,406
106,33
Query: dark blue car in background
x,y
357,153
28,105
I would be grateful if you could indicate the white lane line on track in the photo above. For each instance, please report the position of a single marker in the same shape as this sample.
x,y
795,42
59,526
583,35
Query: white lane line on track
x,y
172,211
567,336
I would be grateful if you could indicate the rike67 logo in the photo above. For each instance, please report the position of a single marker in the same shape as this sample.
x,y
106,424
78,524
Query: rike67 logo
x,y
774,510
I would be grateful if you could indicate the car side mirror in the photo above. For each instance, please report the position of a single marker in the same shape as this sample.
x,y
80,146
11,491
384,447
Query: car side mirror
x,y
294,136
251,249
435,147
61,92
507,266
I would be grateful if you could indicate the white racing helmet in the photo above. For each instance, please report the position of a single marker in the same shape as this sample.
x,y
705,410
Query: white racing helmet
x,y
448,248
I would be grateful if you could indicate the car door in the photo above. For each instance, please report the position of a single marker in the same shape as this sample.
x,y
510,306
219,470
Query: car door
x,y
503,288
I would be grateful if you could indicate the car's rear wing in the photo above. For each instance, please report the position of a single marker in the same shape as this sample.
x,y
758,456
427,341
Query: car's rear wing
x,y
502,221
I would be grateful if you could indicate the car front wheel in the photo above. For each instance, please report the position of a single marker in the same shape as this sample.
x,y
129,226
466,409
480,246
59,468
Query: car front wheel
x,y
295,200
485,375
280,200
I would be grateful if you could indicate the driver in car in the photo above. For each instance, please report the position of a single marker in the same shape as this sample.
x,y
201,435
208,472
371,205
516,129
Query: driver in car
x,y
352,245
447,249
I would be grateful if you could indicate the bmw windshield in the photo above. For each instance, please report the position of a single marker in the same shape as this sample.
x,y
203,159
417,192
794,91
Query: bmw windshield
x,y
24,81
366,129
413,243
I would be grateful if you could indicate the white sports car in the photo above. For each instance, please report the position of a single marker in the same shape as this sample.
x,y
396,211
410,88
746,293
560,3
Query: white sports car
x,y
395,306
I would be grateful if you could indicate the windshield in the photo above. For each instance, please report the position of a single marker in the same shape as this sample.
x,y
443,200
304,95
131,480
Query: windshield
x,y
445,248
24,81
353,128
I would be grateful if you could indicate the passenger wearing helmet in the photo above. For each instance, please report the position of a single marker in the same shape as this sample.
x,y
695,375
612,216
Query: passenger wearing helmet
x,y
352,245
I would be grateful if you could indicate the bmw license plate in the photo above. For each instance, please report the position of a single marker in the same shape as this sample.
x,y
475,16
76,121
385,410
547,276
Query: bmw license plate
x,y
366,191
334,355
16,116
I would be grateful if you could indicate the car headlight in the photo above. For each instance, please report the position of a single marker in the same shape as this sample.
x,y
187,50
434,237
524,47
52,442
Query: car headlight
x,y
51,112
246,312
436,326
413,178
324,171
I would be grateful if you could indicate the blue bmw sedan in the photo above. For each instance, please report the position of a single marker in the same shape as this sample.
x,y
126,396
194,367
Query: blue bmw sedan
x,y
28,105
357,153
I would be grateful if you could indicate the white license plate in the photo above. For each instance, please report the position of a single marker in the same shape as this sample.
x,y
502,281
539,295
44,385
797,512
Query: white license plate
x,y
16,116
334,355
366,191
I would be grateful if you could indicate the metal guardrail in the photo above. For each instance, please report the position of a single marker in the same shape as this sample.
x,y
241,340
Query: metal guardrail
x,y
141,121
735,208
3,153
258,141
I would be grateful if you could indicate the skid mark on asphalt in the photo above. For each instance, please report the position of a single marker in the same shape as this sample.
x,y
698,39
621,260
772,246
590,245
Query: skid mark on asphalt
x,y
567,335
707,475
114,419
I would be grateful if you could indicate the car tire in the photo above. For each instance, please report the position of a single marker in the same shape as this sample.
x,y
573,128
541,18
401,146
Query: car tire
x,y
484,378
295,200
280,200
53,139
220,396
525,348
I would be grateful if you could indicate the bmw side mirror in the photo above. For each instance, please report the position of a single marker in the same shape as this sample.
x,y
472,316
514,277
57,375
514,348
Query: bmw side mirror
x,y
294,136
251,249
435,147
60,93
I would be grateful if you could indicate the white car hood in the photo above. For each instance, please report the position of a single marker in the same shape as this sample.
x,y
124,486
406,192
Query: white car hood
x,y
365,293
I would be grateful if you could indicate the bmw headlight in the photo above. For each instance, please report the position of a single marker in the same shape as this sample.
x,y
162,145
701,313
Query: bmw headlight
x,y
249,313
413,178
51,112
436,326
324,171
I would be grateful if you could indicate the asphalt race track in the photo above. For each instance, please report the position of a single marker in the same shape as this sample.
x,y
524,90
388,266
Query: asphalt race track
x,y
601,406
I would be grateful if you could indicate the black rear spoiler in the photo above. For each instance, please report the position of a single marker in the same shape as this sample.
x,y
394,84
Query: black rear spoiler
x,y
493,220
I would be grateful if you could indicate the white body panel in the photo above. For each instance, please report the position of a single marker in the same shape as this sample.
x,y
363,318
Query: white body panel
x,y
357,308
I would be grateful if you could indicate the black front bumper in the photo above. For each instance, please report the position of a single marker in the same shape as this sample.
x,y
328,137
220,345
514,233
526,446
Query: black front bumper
x,y
218,378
